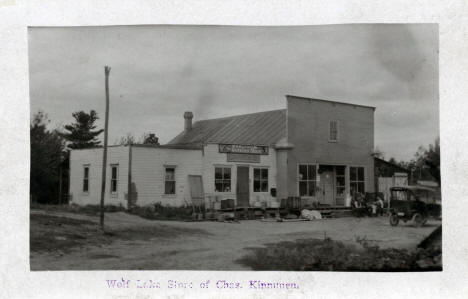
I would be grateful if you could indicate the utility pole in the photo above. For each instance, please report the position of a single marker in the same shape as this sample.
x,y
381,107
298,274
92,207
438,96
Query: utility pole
x,y
104,156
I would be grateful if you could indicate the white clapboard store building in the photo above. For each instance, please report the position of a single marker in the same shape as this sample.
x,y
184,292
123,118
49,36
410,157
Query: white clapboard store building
x,y
315,149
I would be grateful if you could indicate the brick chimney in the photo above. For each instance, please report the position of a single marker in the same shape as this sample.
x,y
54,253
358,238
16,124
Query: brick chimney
x,y
188,116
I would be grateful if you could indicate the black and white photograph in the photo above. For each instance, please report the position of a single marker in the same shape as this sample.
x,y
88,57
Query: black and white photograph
x,y
254,148
233,149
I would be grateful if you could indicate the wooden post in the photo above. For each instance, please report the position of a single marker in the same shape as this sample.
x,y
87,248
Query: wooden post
x,y
104,156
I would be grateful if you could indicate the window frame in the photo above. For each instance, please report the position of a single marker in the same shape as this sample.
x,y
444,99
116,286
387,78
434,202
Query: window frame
x,y
337,131
261,179
308,180
223,179
112,179
85,178
338,186
174,181
357,180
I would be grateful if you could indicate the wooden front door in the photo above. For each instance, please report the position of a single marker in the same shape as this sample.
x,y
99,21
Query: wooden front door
x,y
196,190
243,186
327,187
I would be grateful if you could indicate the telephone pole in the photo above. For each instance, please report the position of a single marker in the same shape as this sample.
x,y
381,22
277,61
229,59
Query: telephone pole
x,y
104,156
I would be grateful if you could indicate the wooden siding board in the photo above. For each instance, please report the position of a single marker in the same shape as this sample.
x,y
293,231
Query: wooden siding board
x,y
93,158
213,158
308,130
148,174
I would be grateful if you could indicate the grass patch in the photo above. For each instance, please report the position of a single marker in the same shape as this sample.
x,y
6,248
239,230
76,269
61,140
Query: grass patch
x,y
55,233
61,234
92,210
153,212
329,255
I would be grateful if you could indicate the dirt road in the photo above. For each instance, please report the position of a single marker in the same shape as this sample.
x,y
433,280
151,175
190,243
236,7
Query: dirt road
x,y
213,245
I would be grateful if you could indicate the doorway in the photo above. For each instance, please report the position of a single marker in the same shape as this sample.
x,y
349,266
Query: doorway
x,y
242,186
327,179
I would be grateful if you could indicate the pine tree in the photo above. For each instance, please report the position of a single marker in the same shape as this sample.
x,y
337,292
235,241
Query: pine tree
x,y
82,133
47,156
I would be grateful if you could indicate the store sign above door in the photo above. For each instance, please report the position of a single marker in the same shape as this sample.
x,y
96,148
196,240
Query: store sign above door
x,y
243,149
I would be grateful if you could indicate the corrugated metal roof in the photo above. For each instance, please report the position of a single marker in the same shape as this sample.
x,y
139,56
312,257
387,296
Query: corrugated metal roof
x,y
262,128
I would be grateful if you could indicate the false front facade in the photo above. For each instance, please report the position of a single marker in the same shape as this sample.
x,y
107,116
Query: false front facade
x,y
315,149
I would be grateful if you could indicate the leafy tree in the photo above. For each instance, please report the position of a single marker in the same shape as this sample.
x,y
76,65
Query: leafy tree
x,y
429,159
146,138
126,140
82,133
47,157
426,163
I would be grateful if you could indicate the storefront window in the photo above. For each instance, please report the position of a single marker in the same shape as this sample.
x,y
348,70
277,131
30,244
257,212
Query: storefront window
x,y
260,180
340,181
222,179
307,179
356,179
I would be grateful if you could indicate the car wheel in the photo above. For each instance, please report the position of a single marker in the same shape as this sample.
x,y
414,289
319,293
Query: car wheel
x,y
417,220
394,219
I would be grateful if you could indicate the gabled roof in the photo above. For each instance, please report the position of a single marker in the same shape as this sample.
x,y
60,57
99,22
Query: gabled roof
x,y
262,128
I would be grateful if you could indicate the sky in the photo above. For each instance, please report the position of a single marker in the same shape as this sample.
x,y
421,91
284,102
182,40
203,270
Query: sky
x,y
159,72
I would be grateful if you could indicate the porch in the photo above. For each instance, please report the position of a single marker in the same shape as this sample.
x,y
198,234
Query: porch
x,y
329,184
288,207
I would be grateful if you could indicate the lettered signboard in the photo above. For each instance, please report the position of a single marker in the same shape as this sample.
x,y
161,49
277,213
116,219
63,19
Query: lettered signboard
x,y
243,149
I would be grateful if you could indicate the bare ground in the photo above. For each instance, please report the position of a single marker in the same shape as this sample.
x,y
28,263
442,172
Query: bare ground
x,y
134,243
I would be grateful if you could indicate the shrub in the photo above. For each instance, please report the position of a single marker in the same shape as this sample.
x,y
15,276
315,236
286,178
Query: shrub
x,y
160,212
329,255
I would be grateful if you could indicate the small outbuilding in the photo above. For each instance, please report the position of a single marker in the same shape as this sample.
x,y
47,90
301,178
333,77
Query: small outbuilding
x,y
315,149
388,175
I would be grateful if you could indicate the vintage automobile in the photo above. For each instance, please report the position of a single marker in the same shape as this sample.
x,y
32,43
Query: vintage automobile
x,y
413,203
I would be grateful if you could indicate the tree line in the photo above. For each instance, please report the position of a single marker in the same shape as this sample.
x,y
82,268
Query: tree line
x,y
50,152
425,164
